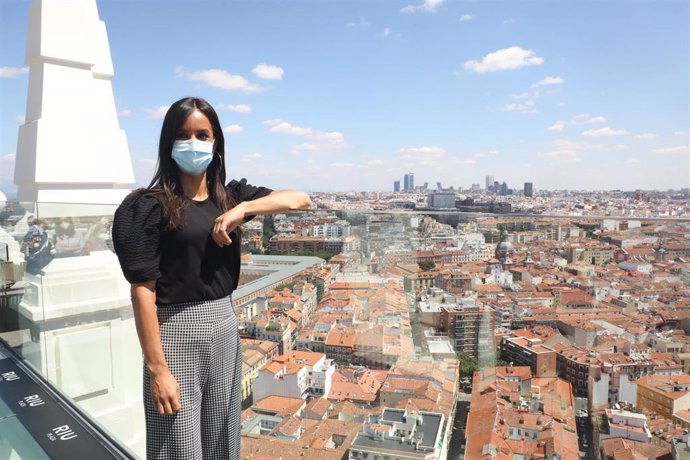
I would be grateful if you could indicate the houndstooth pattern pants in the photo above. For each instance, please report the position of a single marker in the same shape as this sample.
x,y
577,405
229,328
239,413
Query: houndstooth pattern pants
x,y
202,347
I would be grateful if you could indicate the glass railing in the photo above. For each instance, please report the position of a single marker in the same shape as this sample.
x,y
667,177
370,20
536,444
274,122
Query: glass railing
x,y
66,310
409,313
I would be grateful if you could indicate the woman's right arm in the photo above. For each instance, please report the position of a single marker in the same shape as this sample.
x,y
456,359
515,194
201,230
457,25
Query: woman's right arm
x,y
164,388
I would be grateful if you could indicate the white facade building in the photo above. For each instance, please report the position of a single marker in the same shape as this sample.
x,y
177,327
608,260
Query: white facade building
x,y
335,230
627,425
297,374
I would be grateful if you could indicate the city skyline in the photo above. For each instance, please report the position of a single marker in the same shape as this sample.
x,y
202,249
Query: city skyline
x,y
353,95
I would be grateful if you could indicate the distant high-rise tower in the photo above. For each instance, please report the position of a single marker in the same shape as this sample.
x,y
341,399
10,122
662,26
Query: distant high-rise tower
x,y
504,189
408,182
439,186
529,189
489,183
396,186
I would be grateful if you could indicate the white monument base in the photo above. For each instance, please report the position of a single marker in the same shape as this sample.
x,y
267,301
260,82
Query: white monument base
x,y
80,316
73,203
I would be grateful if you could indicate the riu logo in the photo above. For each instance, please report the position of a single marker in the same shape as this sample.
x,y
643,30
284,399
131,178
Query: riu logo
x,y
9,376
64,432
33,400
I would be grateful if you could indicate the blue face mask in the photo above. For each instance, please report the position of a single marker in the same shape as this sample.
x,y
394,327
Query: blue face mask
x,y
192,156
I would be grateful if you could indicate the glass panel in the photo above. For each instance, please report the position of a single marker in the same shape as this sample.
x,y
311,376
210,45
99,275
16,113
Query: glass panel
x,y
401,307
67,311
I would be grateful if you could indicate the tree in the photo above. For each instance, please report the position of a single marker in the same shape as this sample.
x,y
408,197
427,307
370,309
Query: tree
x,y
269,229
280,287
427,265
321,254
468,365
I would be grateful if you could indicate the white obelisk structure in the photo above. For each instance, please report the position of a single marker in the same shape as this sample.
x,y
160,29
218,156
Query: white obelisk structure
x,y
71,148
73,161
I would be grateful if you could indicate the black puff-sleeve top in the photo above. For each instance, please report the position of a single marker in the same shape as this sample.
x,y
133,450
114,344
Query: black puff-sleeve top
x,y
186,264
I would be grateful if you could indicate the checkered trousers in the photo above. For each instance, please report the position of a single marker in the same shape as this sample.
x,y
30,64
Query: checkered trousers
x,y
202,347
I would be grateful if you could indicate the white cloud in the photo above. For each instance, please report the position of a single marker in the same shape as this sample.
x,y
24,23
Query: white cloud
x,y
633,161
605,131
646,136
585,118
125,113
361,23
374,162
567,151
283,127
562,104
487,154
157,112
429,6
20,119
387,32
504,59
563,155
520,96
268,72
222,79
678,150
233,129
305,147
466,17
524,107
680,133
418,152
342,165
241,108
549,81
558,126
251,157
11,72
509,21
581,119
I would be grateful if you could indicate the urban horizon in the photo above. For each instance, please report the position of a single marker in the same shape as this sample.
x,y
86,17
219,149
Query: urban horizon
x,y
366,92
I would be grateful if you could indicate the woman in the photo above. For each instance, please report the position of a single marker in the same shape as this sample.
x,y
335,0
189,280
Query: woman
x,y
178,245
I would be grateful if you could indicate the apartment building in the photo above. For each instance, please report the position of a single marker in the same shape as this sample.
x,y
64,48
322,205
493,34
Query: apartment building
x,y
297,374
664,394
400,434
529,351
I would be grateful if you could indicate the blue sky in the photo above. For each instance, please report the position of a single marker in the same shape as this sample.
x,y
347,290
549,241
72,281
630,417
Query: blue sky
x,y
350,95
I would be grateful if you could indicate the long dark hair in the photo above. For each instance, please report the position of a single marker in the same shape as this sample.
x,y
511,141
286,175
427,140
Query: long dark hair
x,y
166,180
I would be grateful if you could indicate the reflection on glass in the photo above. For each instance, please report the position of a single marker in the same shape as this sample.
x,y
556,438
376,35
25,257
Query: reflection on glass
x,y
356,319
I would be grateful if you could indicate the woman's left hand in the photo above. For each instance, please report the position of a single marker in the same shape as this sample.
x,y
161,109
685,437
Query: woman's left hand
x,y
226,223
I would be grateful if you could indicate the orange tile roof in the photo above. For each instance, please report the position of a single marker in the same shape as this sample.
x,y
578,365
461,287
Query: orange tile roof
x,y
341,337
279,405
665,384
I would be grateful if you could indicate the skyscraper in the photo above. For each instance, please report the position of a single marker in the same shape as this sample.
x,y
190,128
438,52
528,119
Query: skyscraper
x,y
489,183
396,186
408,182
529,190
